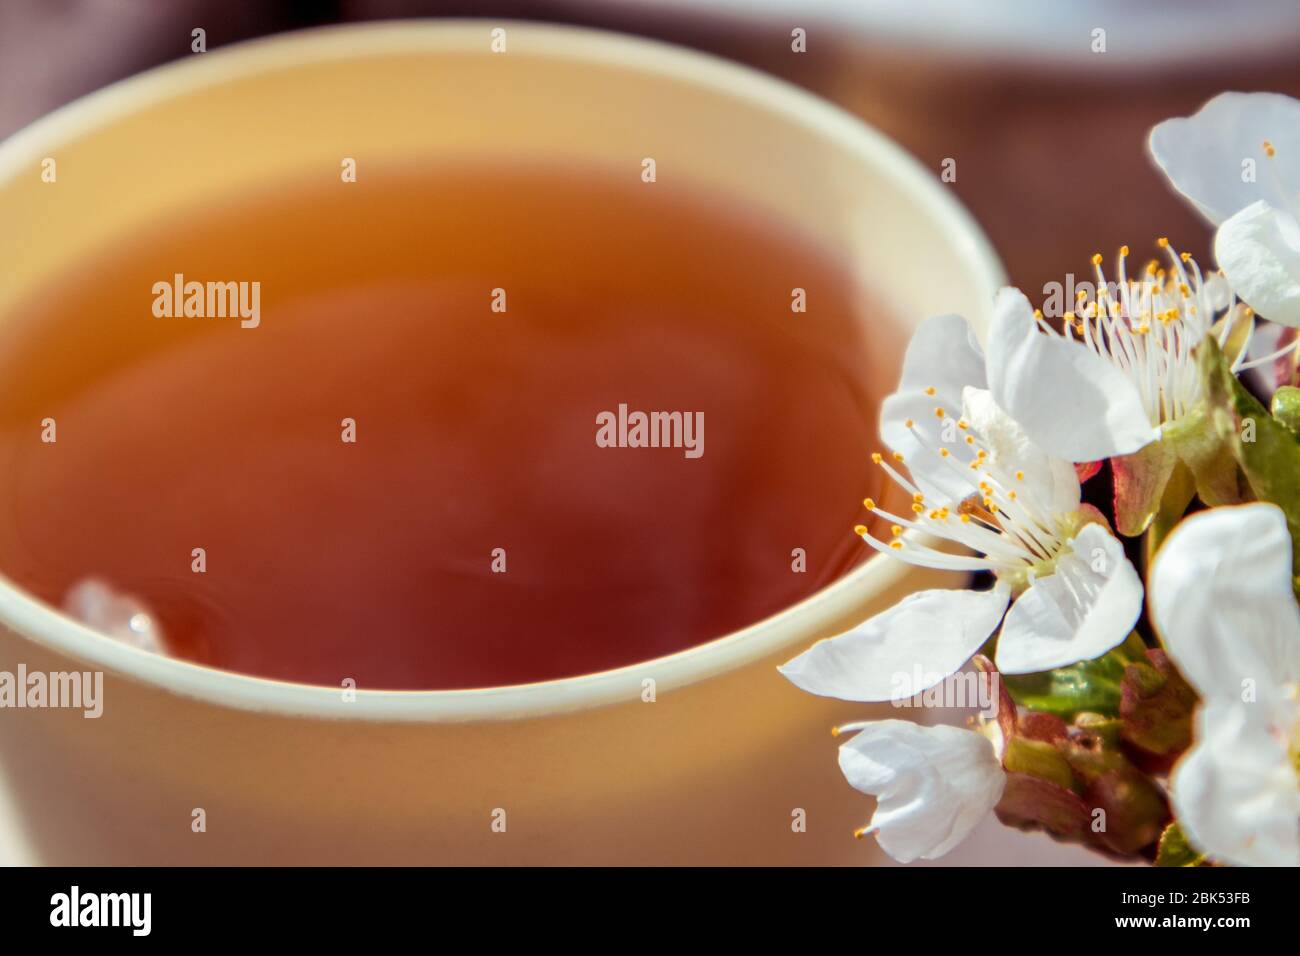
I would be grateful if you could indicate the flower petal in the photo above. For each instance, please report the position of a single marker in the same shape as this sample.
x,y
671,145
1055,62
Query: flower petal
x,y
1235,792
1072,402
1086,606
902,651
933,784
1053,482
1259,251
944,356
1221,598
1203,154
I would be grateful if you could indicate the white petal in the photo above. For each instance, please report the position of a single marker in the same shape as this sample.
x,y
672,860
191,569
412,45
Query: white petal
x,y
902,651
1235,792
1051,481
933,784
1221,598
939,482
1072,402
1218,291
943,355
1202,155
1259,251
1088,605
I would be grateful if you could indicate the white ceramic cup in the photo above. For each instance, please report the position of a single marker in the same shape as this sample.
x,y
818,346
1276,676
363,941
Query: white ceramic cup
x,y
719,766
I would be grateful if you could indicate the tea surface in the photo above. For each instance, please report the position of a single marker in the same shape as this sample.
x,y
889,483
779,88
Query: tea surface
x,y
475,532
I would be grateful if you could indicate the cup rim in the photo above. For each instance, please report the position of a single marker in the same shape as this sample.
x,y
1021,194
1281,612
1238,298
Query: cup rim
x,y
29,618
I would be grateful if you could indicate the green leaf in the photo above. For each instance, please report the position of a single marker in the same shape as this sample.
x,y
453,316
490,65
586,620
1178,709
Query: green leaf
x,y
1156,483
1286,407
1208,453
1094,686
1268,451
1039,759
1179,493
1174,850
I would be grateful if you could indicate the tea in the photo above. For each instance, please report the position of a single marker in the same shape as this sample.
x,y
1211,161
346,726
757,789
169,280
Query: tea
x,y
395,474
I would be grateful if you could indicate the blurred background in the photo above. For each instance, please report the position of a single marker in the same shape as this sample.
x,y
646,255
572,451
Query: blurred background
x,y
1042,109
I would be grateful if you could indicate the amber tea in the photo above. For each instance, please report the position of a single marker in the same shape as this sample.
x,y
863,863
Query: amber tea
x,y
444,427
